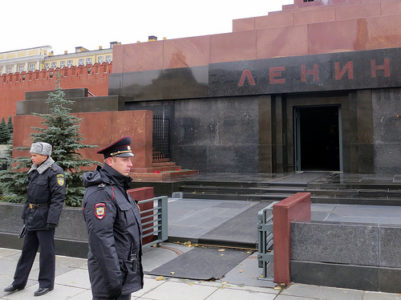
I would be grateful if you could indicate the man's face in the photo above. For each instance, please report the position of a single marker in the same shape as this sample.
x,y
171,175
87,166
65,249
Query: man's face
x,y
37,159
122,165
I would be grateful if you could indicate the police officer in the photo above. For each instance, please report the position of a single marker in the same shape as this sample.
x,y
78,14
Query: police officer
x,y
41,213
114,227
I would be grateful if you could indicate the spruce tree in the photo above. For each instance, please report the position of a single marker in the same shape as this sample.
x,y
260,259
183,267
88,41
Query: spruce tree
x,y
4,132
13,181
60,129
10,126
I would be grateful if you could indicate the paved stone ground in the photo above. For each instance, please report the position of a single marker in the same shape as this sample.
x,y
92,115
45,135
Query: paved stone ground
x,y
72,282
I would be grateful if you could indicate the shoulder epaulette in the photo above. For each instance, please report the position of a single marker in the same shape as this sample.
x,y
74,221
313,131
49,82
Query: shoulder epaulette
x,y
56,168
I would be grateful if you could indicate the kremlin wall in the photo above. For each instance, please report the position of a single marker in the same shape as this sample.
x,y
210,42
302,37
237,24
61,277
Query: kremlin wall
x,y
14,86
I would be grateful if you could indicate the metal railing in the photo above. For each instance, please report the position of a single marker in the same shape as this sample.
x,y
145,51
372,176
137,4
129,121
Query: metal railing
x,y
155,220
265,239
161,137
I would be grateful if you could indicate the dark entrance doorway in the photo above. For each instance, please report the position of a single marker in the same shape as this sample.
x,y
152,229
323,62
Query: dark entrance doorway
x,y
317,138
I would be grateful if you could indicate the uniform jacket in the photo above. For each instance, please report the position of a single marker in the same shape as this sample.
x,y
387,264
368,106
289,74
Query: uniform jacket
x,y
114,234
46,194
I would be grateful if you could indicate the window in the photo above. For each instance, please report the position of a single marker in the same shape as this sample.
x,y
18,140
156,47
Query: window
x,y
81,62
89,61
9,69
108,58
69,63
308,0
100,59
62,64
32,66
54,64
21,68
1,69
47,66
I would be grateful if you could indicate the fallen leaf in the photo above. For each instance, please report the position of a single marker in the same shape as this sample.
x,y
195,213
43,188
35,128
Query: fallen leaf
x,y
277,287
158,278
188,244
172,273
221,250
241,271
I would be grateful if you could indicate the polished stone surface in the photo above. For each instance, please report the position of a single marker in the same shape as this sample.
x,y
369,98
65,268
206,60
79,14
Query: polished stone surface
x,y
233,46
186,52
336,243
330,274
387,125
282,42
390,246
161,84
349,245
373,214
355,70
349,26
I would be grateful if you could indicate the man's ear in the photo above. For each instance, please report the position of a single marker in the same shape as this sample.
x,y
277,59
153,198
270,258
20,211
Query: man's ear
x,y
108,161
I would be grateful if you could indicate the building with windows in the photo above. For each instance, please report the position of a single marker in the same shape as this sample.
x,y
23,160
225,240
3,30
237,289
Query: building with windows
x,y
39,58
80,57
23,60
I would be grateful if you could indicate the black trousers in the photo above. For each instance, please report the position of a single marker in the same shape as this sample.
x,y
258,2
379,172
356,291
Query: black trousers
x,y
42,240
122,297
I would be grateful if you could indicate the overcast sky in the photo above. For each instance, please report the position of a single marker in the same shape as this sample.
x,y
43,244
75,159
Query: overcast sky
x,y
92,23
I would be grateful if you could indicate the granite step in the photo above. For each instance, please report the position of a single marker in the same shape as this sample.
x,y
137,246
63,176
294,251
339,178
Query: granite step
x,y
368,193
238,189
356,200
229,196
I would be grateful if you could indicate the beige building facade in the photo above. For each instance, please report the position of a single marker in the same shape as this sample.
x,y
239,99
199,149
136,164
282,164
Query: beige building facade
x,y
23,60
42,57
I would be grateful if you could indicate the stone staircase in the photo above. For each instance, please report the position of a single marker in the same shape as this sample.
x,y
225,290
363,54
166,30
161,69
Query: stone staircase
x,y
355,189
350,189
239,190
163,169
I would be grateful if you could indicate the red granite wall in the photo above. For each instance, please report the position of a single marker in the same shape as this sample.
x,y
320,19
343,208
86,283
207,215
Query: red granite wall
x,y
299,29
13,86
294,208
101,129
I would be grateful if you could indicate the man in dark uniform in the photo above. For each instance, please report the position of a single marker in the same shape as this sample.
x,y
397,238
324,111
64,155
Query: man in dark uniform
x,y
41,213
114,226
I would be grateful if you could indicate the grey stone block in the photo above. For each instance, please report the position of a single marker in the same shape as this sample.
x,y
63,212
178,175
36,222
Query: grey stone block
x,y
390,280
69,93
335,242
390,247
336,275
10,217
387,158
72,225
83,104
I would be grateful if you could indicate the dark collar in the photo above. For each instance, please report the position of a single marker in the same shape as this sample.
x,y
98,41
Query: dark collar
x,y
116,176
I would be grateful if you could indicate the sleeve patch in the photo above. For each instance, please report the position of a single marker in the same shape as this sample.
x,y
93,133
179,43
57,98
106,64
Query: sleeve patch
x,y
100,210
60,179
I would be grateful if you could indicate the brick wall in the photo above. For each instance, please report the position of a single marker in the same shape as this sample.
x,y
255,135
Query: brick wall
x,y
13,86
